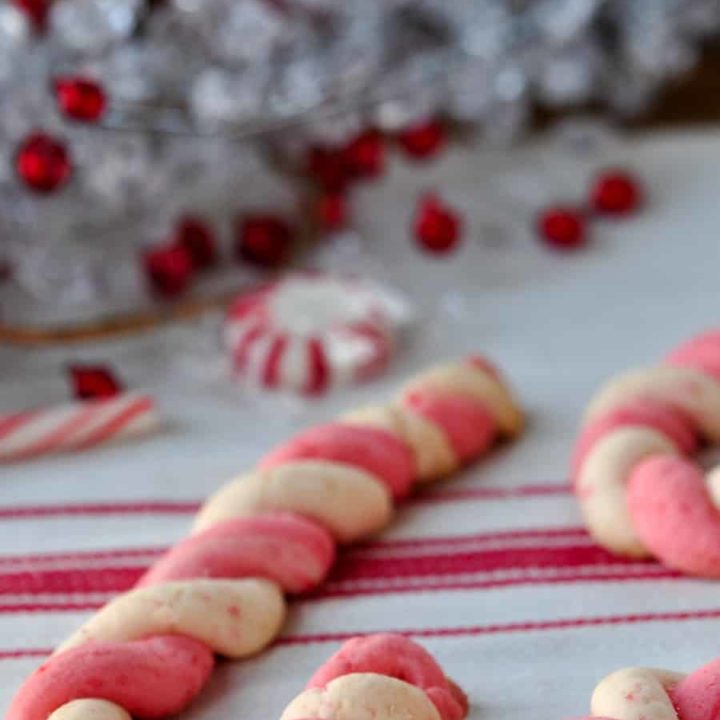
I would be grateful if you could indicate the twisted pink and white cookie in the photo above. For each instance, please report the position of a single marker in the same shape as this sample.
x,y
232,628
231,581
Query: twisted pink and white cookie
x,y
379,677
273,531
650,694
640,490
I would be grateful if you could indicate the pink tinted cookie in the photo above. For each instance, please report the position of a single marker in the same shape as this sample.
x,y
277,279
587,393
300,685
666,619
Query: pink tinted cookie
x,y
637,497
294,552
378,452
150,678
399,657
149,651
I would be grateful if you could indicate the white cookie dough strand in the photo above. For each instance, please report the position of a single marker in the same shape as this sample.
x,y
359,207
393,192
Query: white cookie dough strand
x,y
349,502
636,694
602,482
467,379
691,390
362,696
235,618
90,709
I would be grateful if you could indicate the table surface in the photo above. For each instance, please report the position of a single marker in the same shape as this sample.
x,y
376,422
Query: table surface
x,y
493,570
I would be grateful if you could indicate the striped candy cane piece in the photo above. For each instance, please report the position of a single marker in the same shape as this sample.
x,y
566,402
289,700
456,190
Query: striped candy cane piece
x,y
76,426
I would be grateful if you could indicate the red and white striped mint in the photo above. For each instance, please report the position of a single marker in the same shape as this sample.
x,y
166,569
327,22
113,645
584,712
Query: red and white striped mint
x,y
311,332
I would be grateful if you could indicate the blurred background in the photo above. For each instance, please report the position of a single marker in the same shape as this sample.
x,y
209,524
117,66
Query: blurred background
x,y
158,155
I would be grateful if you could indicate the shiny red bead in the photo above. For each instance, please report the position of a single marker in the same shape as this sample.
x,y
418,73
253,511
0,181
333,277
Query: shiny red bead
x,y
169,269
437,227
332,211
364,157
562,227
92,382
43,163
198,240
422,141
80,98
36,10
616,192
264,240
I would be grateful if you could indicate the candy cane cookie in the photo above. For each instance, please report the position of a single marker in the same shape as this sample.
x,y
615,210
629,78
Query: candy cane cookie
x,y
641,492
269,533
379,677
649,694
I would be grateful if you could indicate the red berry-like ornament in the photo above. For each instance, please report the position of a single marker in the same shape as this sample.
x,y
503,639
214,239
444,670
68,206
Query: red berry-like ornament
x,y
562,227
364,157
198,239
616,192
169,269
36,10
332,211
80,98
43,163
422,141
437,227
264,240
92,382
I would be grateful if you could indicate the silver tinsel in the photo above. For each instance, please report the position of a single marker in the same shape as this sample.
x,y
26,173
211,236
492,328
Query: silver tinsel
x,y
202,90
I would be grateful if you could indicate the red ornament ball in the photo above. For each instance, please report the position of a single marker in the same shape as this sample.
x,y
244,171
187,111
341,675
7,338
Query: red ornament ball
x,y
80,98
364,157
43,163
437,227
264,240
198,240
36,10
422,141
332,211
616,192
562,227
92,382
169,269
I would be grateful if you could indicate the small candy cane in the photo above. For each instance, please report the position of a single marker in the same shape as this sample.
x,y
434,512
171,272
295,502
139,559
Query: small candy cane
x,y
75,426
